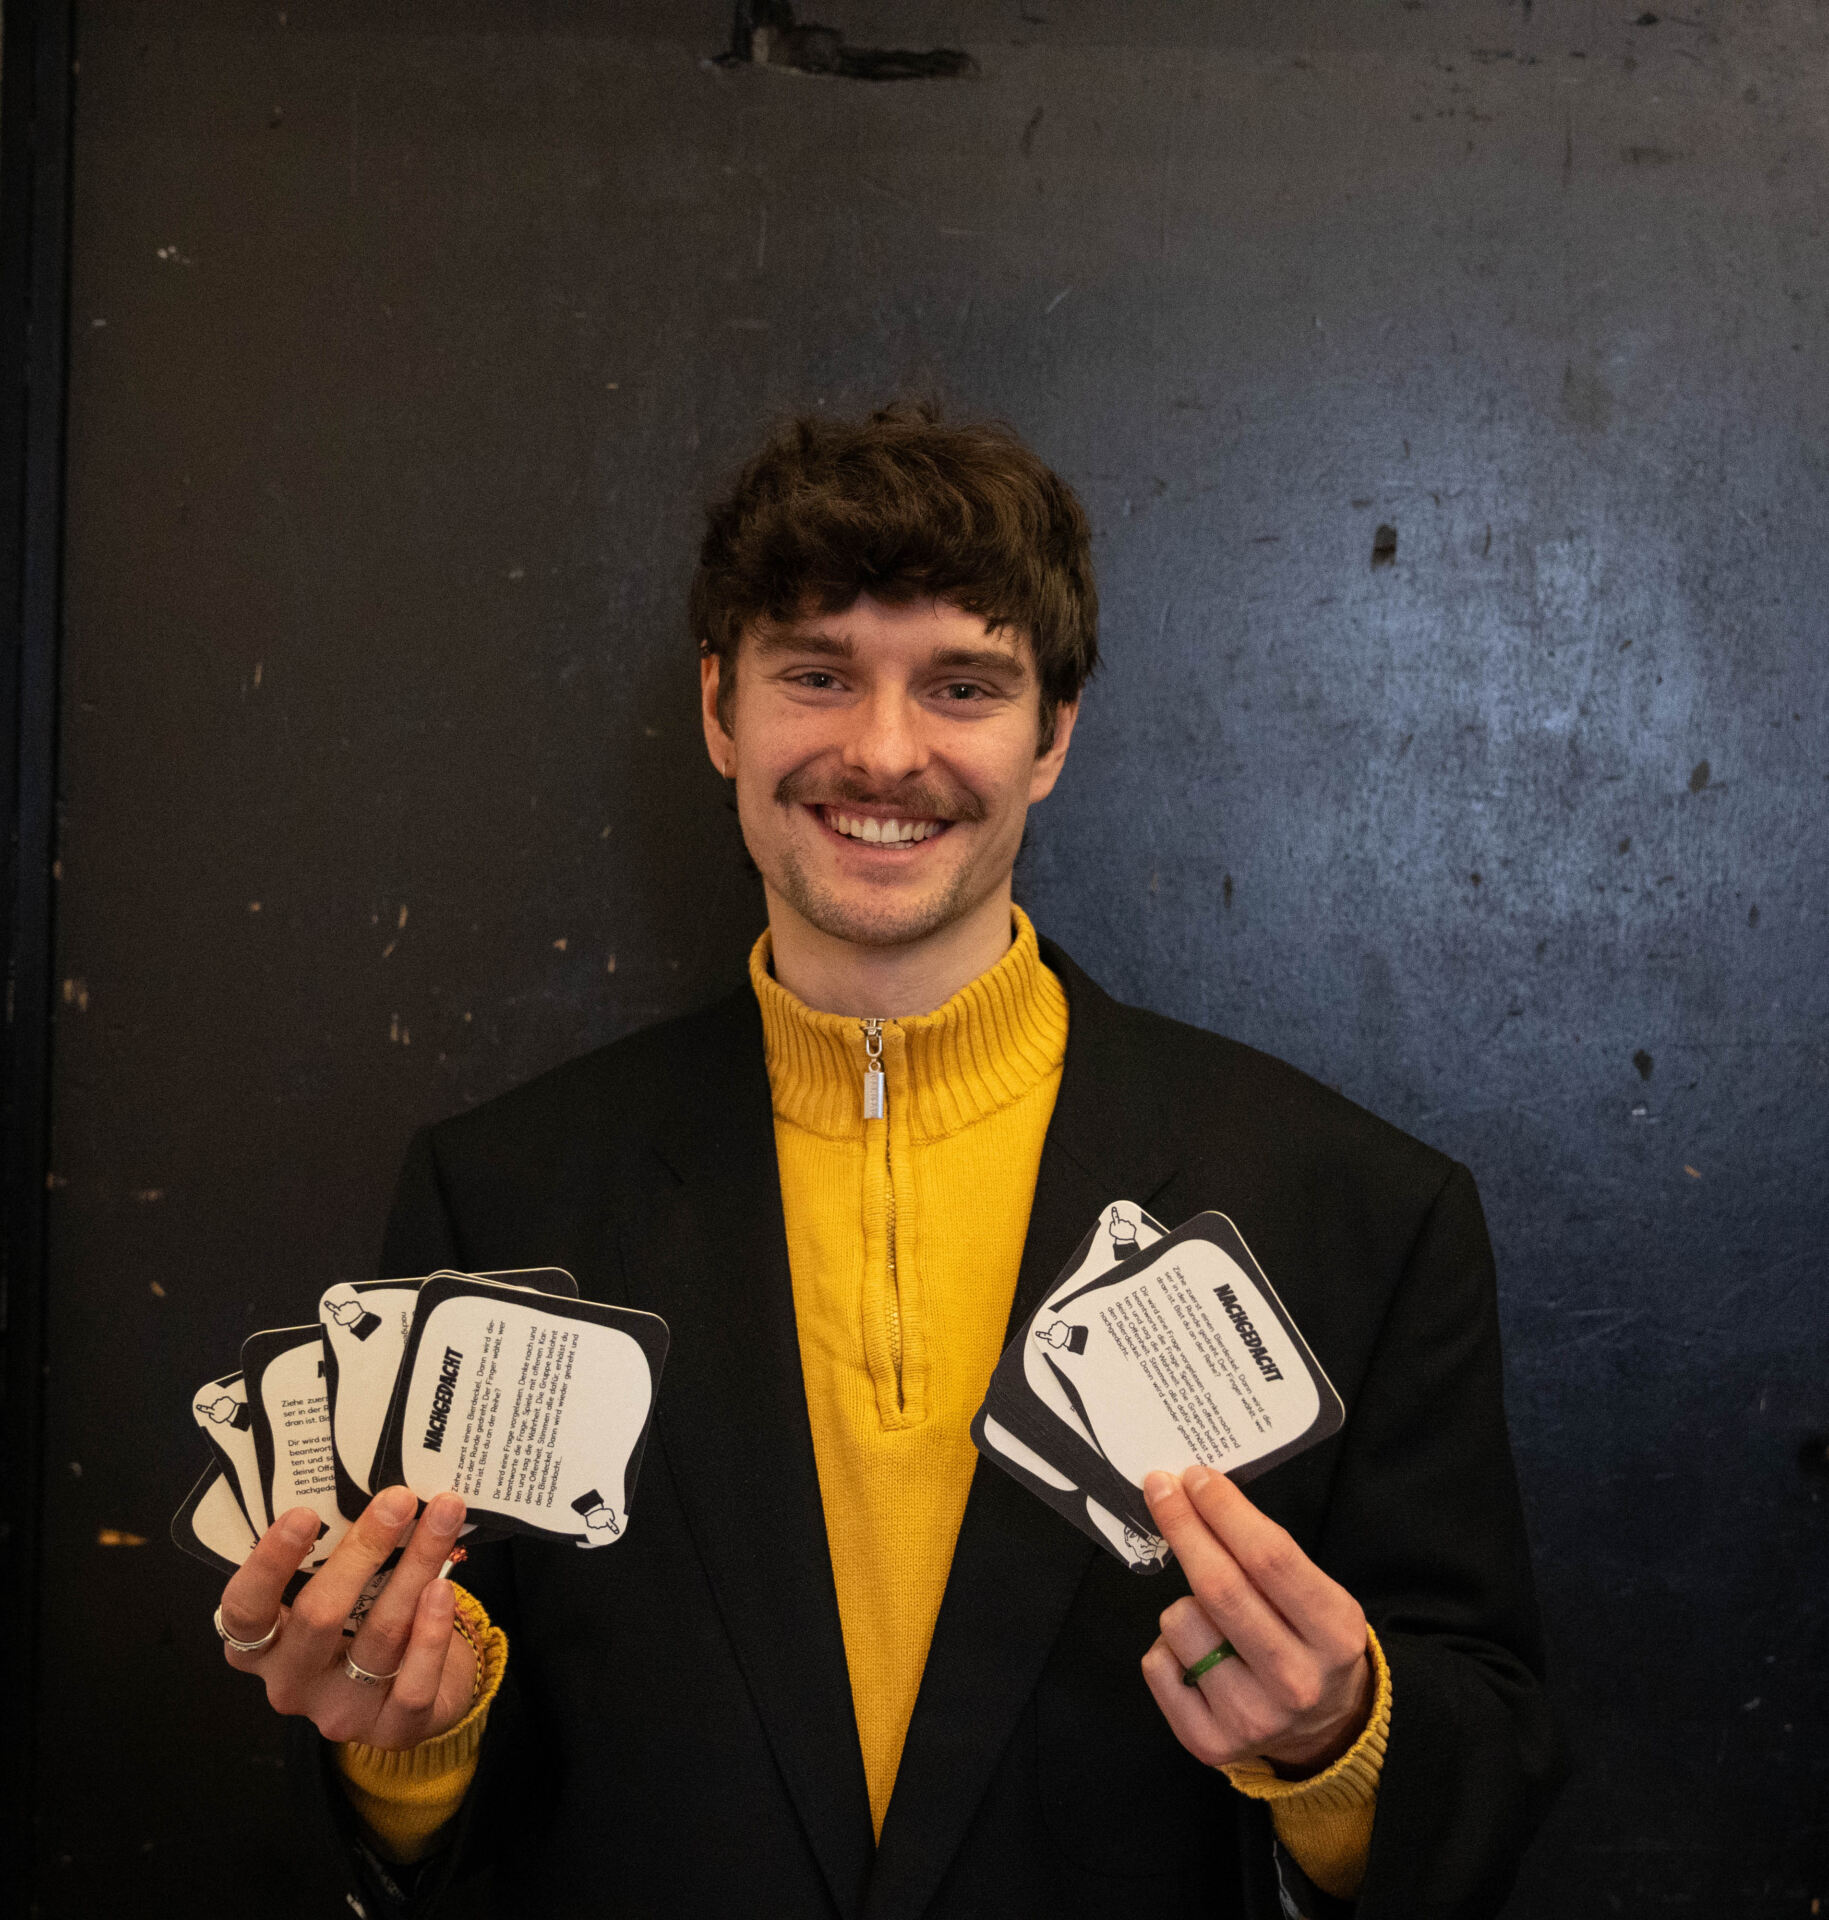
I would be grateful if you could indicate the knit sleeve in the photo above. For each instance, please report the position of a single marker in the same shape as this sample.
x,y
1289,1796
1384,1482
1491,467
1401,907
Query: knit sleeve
x,y
1326,1822
403,1798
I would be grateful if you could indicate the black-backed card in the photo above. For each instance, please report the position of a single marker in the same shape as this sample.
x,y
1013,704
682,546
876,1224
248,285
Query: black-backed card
x,y
1049,1424
534,1408
1182,1354
1122,1230
220,1408
365,1326
284,1371
210,1526
1142,1552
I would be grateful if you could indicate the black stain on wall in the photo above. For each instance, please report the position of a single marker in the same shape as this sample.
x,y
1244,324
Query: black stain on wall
x,y
1644,1062
1384,547
764,33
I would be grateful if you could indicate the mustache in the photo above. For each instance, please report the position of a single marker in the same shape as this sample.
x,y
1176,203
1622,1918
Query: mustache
x,y
915,801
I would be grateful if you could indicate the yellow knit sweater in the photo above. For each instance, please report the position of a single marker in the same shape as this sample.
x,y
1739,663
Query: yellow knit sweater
x,y
904,1235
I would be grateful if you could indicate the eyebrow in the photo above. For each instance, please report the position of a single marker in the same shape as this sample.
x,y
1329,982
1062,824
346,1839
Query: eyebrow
x,y
981,660
830,646
833,646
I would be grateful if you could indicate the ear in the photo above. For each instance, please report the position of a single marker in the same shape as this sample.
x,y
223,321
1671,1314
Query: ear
x,y
1048,765
718,743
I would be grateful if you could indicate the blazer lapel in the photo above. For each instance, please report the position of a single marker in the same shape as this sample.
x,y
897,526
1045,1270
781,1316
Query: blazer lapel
x,y
732,1422
1017,1566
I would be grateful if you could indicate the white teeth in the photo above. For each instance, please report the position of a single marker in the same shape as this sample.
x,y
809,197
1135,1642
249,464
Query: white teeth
x,y
875,832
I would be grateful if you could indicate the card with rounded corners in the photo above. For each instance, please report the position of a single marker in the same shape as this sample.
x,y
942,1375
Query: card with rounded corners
x,y
533,1407
1183,1354
221,1410
284,1371
1142,1552
210,1526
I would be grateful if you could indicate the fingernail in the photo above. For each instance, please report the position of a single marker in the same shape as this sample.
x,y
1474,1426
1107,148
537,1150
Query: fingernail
x,y
445,1515
1157,1487
396,1506
1195,1479
299,1528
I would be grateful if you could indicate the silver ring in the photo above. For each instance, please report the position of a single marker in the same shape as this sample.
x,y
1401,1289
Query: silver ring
x,y
248,1646
363,1678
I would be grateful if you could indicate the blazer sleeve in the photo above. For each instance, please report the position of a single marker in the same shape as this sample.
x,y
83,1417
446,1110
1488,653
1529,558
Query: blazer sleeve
x,y
1426,1529
422,1236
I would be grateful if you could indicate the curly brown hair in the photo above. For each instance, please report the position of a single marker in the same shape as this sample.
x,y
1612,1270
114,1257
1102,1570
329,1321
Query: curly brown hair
x,y
902,506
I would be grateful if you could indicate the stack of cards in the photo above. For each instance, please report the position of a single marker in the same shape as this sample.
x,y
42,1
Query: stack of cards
x,y
504,1387
1152,1350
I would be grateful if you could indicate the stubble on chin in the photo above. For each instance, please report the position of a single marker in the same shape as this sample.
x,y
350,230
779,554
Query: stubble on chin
x,y
888,923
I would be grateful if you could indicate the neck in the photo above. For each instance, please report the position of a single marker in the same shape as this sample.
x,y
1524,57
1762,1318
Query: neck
x,y
895,982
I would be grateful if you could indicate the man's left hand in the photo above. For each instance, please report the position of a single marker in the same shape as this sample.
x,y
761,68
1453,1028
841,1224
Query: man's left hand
x,y
1297,1688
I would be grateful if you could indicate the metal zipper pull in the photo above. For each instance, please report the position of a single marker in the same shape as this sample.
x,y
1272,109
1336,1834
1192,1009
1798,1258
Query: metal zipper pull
x,y
873,1069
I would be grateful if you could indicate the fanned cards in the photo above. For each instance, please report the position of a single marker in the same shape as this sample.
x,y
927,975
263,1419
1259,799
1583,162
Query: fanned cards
x,y
504,1386
1152,1350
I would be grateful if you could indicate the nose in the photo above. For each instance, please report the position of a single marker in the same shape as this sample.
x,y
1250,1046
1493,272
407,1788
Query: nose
x,y
885,745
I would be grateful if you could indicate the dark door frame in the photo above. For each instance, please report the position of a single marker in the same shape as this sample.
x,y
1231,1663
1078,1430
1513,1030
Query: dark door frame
x,y
35,101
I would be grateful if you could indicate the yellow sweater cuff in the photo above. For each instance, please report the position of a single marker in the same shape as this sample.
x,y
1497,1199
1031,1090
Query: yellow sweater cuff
x,y
1326,1822
403,1798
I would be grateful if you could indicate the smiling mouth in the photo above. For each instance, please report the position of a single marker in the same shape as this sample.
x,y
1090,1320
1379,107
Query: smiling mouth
x,y
871,830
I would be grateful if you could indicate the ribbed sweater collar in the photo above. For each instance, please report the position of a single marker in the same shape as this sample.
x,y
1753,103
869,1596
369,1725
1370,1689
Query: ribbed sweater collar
x,y
994,1041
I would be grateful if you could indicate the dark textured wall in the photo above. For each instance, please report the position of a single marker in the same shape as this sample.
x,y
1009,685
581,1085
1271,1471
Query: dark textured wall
x,y
406,342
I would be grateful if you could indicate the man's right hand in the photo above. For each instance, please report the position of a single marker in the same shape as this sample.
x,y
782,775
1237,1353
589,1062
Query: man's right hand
x,y
408,1631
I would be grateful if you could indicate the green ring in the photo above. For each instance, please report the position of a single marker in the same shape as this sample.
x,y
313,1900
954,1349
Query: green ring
x,y
1190,1676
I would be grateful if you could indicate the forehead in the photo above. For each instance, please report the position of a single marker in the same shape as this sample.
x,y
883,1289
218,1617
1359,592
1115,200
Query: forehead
x,y
935,631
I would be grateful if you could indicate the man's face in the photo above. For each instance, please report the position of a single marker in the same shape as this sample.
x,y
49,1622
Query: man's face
x,y
884,761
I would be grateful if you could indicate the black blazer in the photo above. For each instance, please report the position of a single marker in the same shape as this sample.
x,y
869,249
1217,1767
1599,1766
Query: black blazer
x,y
675,1734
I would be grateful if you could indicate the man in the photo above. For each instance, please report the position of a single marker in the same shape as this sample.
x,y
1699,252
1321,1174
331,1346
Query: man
x,y
839,1666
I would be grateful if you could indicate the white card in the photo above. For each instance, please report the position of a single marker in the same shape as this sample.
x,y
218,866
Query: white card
x,y
365,1325
1185,1356
284,1368
220,1407
1124,1229
211,1525
532,1406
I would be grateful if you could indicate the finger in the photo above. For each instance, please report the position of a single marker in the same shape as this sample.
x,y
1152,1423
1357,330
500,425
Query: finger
x,y
251,1601
1183,1707
1247,1710
381,1642
1190,1633
1224,1590
1317,1607
410,1711
314,1633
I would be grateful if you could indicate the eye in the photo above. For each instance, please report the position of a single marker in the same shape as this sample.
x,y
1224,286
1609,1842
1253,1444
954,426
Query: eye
x,y
816,679
960,690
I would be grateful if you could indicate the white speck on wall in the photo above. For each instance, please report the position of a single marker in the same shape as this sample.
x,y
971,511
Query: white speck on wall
x,y
400,924
559,944
609,966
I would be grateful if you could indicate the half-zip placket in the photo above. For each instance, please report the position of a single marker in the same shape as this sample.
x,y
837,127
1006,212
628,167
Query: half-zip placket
x,y
876,1115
